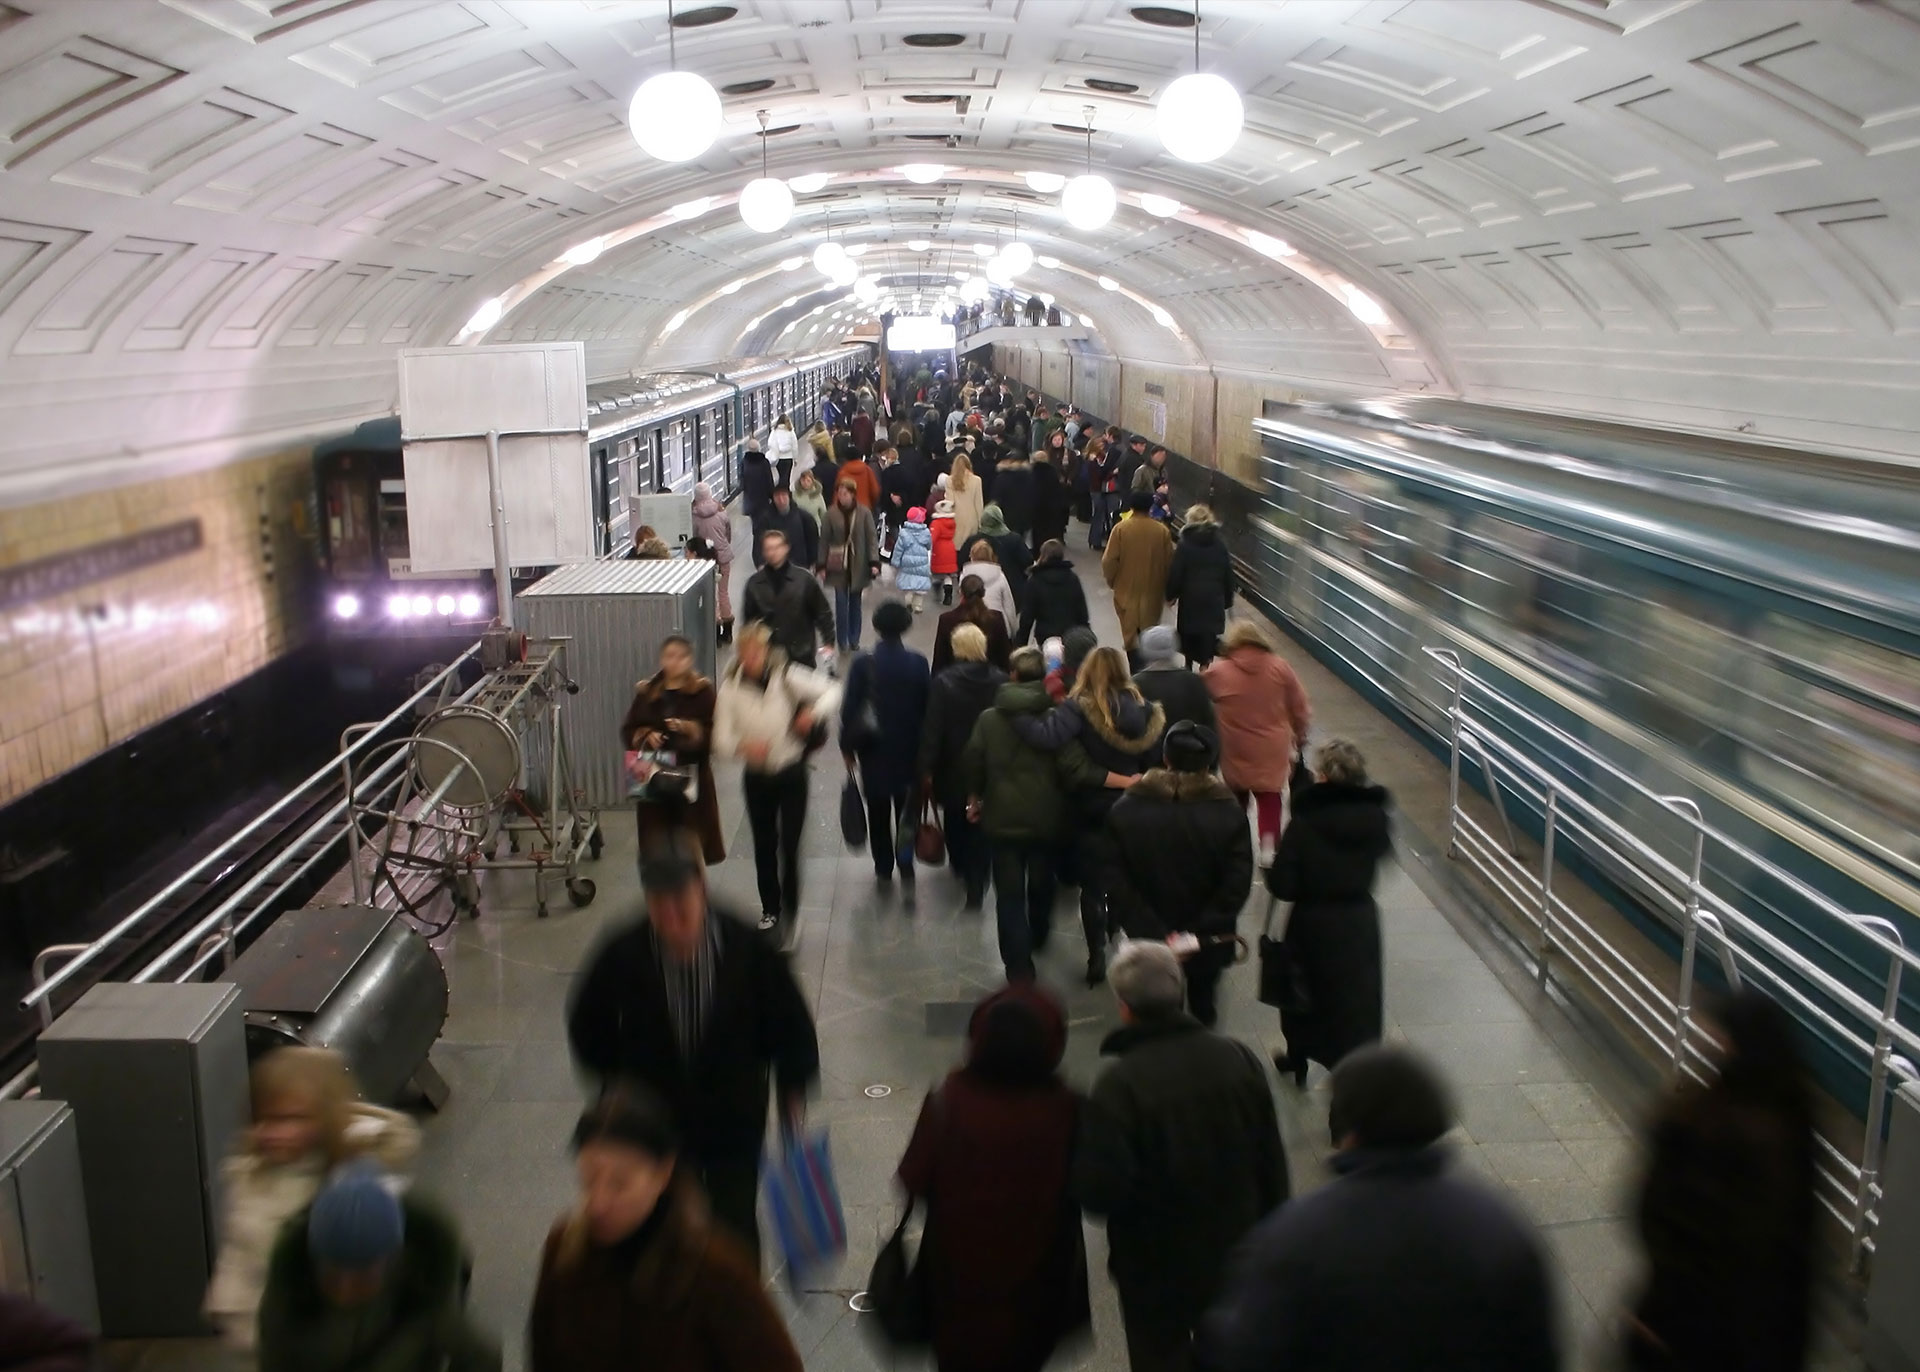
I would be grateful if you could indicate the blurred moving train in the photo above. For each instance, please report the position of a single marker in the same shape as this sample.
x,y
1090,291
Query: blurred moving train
x,y
1725,621
650,434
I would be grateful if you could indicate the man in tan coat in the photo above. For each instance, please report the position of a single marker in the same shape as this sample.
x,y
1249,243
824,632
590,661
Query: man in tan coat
x,y
1135,564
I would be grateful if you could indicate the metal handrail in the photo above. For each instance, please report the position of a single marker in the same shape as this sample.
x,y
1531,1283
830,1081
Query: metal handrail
x,y
1482,726
46,989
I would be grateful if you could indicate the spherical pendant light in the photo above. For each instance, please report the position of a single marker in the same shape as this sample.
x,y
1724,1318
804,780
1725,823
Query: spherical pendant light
x,y
675,116
1161,206
1088,201
1017,256
766,203
866,289
1045,182
1199,117
830,257
844,273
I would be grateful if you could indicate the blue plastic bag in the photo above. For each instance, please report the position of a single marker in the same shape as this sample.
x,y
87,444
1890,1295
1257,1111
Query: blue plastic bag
x,y
803,1204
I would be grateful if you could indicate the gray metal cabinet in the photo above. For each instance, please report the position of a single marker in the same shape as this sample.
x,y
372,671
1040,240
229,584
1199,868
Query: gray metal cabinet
x,y
45,1253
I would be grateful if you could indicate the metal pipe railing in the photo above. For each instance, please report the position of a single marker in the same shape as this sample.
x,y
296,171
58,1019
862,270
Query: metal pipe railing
x,y
44,991
1503,738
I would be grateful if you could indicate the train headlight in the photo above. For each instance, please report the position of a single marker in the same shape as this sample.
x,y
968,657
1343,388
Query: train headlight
x,y
398,607
469,605
444,605
346,605
423,605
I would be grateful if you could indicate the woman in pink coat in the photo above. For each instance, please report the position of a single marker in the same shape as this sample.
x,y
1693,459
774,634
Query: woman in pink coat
x,y
1263,722
711,522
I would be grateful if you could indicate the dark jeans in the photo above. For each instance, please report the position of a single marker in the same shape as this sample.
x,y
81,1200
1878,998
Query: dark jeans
x,y
784,467
885,807
1096,857
846,617
1203,971
1155,1342
777,811
732,1185
1106,509
1023,901
967,848
1199,649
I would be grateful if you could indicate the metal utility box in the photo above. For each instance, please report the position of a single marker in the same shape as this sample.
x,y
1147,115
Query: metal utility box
x,y
614,615
1893,1315
45,1254
157,1078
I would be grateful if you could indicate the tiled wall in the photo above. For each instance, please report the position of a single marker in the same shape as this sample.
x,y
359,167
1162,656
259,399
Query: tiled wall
x,y
97,665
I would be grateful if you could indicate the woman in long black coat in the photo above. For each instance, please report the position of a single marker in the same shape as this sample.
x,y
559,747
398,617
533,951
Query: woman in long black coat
x,y
1201,581
672,714
1325,865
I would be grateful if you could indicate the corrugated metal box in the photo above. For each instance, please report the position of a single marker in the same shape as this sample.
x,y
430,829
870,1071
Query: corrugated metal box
x,y
615,613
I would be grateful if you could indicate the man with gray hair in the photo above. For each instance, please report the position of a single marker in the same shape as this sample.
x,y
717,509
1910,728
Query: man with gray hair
x,y
1179,1150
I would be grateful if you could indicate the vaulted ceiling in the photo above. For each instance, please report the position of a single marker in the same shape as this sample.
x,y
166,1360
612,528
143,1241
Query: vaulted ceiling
x,y
219,218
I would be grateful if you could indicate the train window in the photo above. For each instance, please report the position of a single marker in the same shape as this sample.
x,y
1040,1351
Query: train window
x,y
1522,587
349,528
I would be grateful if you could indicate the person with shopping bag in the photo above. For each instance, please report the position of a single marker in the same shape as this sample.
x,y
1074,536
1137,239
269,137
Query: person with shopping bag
x,y
881,714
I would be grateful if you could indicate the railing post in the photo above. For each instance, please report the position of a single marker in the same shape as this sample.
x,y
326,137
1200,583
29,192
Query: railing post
x,y
1872,1147
1689,947
40,962
1453,754
1546,881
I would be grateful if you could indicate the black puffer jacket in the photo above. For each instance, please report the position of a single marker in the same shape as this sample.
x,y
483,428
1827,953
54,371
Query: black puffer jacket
x,y
1201,579
1013,493
1055,603
1180,1151
960,695
793,607
756,484
803,534
1129,746
1183,694
1185,858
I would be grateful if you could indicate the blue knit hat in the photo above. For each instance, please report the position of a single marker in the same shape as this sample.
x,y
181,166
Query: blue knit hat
x,y
355,1221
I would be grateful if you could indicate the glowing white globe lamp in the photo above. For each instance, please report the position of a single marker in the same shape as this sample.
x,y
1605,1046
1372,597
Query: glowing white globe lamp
x,y
1018,257
843,272
1045,182
674,116
866,289
1199,116
808,184
923,173
918,244
1088,201
997,272
766,204
830,257
1161,206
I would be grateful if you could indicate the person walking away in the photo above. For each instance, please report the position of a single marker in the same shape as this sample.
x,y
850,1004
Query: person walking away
x,y
881,716
1010,551
1200,581
849,561
963,489
1015,794
1164,678
1182,861
860,425
783,447
909,480
757,480
694,1005
1013,491
960,693
1119,733
973,609
1402,1261
787,601
984,562
913,559
821,442
1149,475
800,529
1326,865
368,1281
1103,490
808,497
1727,1206
638,1274
866,482
991,1159
770,714
671,721
1075,646
943,556
1056,601
306,1123
1050,499
711,522
1263,713
1180,1152
1139,552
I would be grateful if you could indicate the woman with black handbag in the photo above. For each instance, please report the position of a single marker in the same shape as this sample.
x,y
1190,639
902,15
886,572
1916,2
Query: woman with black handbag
x,y
668,733
1000,1281
1326,975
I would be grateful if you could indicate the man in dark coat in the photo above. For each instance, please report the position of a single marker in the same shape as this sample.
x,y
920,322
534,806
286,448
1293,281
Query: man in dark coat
x,y
1401,1262
903,484
1052,500
1201,580
1163,677
756,483
800,529
1182,860
1132,460
1013,492
696,1004
881,715
789,600
960,694
1056,601
1180,1151
861,427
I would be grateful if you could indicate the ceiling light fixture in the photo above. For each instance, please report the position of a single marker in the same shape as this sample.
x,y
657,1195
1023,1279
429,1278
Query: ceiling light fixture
x,y
1107,283
690,209
1017,255
675,115
733,286
923,173
983,250
1365,308
866,289
1199,115
792,264
486,316
1269,247
811,182
1045,182
858,249
1050,263
1161,206
919,244
1088,201
582,253
766,202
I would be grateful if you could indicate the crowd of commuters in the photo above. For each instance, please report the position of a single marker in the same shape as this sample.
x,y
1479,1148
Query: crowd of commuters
x,y
1125,771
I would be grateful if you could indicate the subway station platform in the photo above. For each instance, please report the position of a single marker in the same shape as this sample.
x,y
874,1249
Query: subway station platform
x,y
1546,1114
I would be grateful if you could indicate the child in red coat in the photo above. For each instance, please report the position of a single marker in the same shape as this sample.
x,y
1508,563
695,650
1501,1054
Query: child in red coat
x,y
946,561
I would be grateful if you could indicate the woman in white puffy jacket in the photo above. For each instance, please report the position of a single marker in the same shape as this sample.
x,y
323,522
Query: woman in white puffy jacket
x,y
984,563
306,1123
784,448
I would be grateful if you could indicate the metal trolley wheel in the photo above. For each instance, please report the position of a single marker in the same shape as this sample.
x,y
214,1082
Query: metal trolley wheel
x,y
478,743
